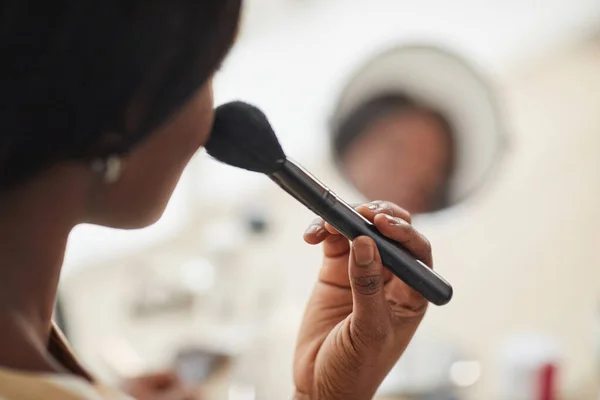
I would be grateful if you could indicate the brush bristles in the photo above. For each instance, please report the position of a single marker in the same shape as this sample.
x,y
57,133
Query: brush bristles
x,y
243,137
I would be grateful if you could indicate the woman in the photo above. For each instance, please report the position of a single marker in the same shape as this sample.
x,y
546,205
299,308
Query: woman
x,y
103,105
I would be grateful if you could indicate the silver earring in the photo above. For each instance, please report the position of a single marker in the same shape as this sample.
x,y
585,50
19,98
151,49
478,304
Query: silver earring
x,y
110,168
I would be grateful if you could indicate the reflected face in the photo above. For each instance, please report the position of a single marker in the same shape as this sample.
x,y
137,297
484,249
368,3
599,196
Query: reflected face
x,y
405,157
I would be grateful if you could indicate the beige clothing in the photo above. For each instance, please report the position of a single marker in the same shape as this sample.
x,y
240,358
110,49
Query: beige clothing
x,y
18,385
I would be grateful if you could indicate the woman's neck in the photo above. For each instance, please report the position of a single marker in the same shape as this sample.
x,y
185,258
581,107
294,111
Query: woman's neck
x,y
36,222
31,256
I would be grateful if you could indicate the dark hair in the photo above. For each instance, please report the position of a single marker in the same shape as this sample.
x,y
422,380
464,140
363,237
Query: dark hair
x,y
77,72
350,128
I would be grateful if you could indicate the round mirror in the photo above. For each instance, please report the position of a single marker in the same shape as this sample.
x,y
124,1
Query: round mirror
x,y
416,125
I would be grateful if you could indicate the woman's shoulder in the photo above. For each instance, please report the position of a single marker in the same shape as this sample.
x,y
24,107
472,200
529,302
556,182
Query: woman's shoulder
x,y
73,384
18,385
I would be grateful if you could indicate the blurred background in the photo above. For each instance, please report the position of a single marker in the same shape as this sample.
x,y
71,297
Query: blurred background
x,y
486,115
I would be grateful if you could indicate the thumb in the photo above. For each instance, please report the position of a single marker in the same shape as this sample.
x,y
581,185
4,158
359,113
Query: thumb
x,y
370,313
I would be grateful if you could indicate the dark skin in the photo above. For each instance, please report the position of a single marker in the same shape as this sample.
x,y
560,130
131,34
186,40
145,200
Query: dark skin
x,y
359,312
358,321
405,157
34,232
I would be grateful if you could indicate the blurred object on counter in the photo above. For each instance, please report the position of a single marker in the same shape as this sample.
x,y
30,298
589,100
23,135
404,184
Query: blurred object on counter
x,y
426,116
196,365
257,223
529,367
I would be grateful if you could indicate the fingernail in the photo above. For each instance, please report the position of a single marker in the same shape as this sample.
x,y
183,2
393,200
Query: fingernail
x,y
313,230
372,207
392,221
364,253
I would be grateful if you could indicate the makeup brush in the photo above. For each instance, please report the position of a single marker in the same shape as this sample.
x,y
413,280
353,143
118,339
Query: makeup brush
x,y
243,137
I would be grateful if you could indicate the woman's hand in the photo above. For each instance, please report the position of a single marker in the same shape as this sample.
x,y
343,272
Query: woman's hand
x,y
360,317
159,386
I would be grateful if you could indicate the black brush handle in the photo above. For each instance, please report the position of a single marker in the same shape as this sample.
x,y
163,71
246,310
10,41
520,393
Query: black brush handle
x,y
394,256
318,198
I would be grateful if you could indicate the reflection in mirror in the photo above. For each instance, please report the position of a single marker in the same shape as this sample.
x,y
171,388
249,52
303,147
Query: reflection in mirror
x,y
393,133
416,126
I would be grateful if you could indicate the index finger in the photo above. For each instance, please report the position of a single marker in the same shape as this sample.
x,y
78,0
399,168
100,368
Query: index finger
x,y
316,232
367,210
374,208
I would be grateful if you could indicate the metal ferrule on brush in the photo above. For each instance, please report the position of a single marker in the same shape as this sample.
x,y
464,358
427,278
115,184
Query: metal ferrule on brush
x,y
321,200
302,185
